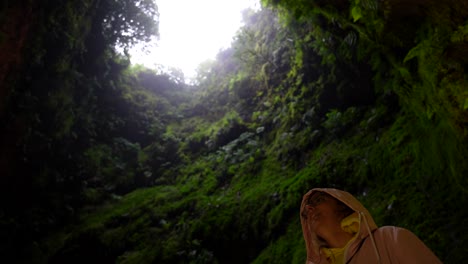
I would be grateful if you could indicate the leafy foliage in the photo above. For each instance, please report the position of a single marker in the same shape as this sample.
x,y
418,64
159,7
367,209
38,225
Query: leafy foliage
x,y
126,22
127,164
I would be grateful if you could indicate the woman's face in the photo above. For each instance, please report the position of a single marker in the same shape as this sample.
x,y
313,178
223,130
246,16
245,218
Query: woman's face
x,y
324,219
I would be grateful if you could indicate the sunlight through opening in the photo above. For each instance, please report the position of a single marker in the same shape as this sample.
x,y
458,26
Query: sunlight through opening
x,y
192,32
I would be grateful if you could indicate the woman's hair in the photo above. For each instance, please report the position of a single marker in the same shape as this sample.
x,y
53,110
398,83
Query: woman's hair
x,y
319,197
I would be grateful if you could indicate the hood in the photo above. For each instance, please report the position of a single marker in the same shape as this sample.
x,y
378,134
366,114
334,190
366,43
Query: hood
x,y
366,225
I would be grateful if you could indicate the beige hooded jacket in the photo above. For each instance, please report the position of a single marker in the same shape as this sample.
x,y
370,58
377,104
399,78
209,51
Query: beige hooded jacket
x,y
372,245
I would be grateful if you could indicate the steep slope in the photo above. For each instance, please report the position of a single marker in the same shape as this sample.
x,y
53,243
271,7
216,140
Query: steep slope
x,y
327,99
131,166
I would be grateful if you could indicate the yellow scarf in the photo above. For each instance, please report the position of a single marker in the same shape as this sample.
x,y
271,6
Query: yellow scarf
x,y
349,224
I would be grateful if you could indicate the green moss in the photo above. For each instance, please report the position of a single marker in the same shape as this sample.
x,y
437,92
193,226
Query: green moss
x,y
403,154
289,246
146,255
129,203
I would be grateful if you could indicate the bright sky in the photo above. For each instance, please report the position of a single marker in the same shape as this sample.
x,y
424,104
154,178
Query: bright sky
x,y
193,31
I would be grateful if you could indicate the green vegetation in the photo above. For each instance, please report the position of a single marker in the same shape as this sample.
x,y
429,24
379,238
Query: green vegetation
x,y
110,162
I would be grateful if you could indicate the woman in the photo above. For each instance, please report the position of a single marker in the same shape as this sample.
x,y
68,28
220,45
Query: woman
x,y
338,229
